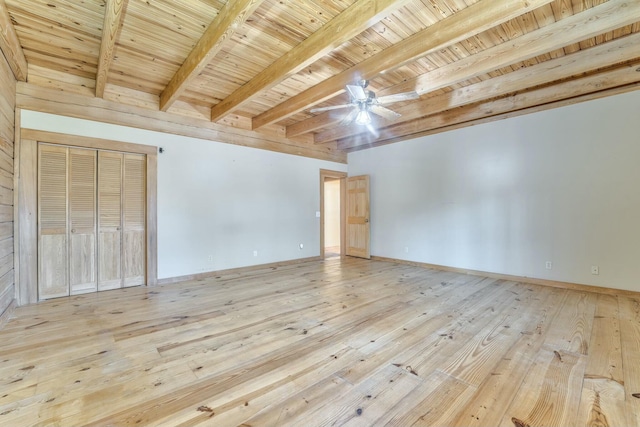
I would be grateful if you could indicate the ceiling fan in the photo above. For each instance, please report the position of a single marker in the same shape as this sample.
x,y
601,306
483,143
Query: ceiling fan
x,y
364,103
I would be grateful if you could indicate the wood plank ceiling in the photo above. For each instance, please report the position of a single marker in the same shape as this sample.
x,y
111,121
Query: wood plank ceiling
x,y
261,65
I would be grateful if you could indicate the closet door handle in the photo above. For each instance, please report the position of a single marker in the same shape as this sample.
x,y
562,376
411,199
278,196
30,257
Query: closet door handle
x,y
73,230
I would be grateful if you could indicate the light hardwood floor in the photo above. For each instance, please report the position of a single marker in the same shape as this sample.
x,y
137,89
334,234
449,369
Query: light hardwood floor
x,y
335,342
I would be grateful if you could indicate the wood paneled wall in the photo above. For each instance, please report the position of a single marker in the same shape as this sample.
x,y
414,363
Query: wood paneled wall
x,y
7,136
79,104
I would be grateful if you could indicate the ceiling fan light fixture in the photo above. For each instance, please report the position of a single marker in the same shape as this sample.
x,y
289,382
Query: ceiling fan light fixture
x,y
363,117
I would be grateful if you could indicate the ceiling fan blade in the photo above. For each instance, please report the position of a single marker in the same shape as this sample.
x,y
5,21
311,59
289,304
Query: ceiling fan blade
x,y
404,96
384,112
349,117
357,92
330,107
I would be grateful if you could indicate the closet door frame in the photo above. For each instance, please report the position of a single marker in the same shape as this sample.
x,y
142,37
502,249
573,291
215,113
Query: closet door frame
x,y
26,220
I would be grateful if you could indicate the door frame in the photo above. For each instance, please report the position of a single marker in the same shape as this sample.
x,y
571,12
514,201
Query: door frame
x,y
326,174
26,205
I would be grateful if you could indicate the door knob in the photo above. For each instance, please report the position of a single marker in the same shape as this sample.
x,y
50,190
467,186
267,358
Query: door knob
x,y
366,220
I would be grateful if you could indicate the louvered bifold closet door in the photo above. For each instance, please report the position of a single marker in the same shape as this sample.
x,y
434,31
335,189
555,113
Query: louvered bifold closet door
x,y
53,273
110,166
82,220
134,214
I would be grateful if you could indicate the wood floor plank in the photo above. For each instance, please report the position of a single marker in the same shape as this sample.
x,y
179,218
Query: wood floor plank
x,y
316,380
440,395
550,393
438,349
605,357
365,402
576,316
334,342
629,316
496,392
425,339
93,396
235,372
293,407
602,404
603,394
475,361
236,404
444,304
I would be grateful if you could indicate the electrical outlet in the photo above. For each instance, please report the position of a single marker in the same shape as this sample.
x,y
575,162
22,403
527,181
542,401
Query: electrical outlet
x,y
301,246
255,253
210,259
406,249
595,270
548,265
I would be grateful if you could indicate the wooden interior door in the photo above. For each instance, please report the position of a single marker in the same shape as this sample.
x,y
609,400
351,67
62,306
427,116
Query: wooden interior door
x,y
358,217
134,214
53,272
82,220
110,168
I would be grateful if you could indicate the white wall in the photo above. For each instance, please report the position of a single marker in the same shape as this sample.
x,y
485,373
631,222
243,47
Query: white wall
x,y
219,200
561,185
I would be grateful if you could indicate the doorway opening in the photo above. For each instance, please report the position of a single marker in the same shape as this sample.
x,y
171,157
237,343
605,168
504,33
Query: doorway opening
x,y
332,214
332,247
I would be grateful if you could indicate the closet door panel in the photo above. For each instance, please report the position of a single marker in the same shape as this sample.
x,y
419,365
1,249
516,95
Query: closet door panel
x,y
53,279
110,267
134,235
134,258
82,220
110,166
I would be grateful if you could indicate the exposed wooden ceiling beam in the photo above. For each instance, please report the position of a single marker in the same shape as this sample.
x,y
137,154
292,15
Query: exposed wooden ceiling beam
x,y
114,11
466,23
312,124
607,83
584,61
507,106
597,20
10,45
221,29
553,36
351,22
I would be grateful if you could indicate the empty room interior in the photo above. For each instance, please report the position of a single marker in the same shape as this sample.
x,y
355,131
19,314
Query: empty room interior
x,y
320,212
